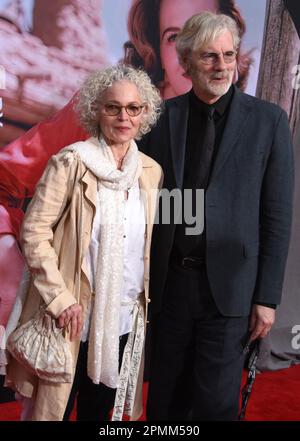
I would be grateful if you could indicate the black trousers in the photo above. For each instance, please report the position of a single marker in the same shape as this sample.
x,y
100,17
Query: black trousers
x,y
196,355
94,401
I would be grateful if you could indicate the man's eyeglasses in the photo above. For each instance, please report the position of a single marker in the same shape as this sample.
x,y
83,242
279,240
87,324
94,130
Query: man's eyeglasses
x,y
211,58
115,109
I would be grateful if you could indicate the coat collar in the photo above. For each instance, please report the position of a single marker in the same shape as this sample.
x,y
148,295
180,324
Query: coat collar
x,y
146,160
236,124
178,121
90,180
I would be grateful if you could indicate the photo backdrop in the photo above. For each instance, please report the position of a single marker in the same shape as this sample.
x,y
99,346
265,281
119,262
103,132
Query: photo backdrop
x,y
48,48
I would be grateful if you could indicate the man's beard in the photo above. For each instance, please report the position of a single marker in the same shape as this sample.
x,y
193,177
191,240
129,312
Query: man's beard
x,y
212,88
220,89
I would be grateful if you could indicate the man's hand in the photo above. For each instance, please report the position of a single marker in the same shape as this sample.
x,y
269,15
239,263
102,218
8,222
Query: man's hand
x,y
261,321
73,316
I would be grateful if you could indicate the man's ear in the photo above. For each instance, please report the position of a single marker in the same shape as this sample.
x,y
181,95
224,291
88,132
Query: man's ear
x,y
235,75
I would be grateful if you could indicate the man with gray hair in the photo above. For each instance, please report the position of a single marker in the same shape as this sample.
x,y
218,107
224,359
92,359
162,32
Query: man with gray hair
x,y
214,292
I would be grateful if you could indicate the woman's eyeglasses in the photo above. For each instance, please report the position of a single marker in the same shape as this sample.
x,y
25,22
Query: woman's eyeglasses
x,y
115,109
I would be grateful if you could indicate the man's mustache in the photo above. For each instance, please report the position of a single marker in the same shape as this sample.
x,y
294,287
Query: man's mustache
x,y
220,76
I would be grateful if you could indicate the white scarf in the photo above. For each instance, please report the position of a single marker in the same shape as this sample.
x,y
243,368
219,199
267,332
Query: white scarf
x,y
103,351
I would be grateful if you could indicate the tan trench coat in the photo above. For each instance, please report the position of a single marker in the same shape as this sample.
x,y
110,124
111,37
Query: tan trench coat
x,y
56,235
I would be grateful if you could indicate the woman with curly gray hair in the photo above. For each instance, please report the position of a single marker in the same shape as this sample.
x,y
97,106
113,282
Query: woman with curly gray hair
x,y
86,239
90,97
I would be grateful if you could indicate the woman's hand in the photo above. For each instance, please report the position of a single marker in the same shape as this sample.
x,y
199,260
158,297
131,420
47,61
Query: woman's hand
x,y
72,316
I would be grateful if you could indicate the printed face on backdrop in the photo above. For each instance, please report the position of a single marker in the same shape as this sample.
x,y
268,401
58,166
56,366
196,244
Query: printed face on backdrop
x,y
212,67
173,15
120,128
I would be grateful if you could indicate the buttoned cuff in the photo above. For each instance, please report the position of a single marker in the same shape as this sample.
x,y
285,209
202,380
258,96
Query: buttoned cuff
x,y
60,303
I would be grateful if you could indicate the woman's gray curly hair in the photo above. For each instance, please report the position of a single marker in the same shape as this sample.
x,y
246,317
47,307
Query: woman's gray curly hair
x,y
95,84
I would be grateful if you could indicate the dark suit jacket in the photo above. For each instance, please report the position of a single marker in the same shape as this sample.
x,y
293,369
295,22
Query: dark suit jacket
x,y
248,203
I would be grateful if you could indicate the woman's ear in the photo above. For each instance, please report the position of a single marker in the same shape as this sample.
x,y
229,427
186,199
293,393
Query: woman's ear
x,y
146,108
144,114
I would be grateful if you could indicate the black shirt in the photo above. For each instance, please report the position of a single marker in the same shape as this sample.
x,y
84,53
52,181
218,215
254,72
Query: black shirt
x,y
191,245
196,127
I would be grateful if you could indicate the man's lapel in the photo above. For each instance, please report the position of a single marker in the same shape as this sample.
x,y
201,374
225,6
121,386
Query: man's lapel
x,y
236,124
178,120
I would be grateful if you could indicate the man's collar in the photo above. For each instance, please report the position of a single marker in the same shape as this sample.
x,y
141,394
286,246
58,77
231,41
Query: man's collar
x,y
220,106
